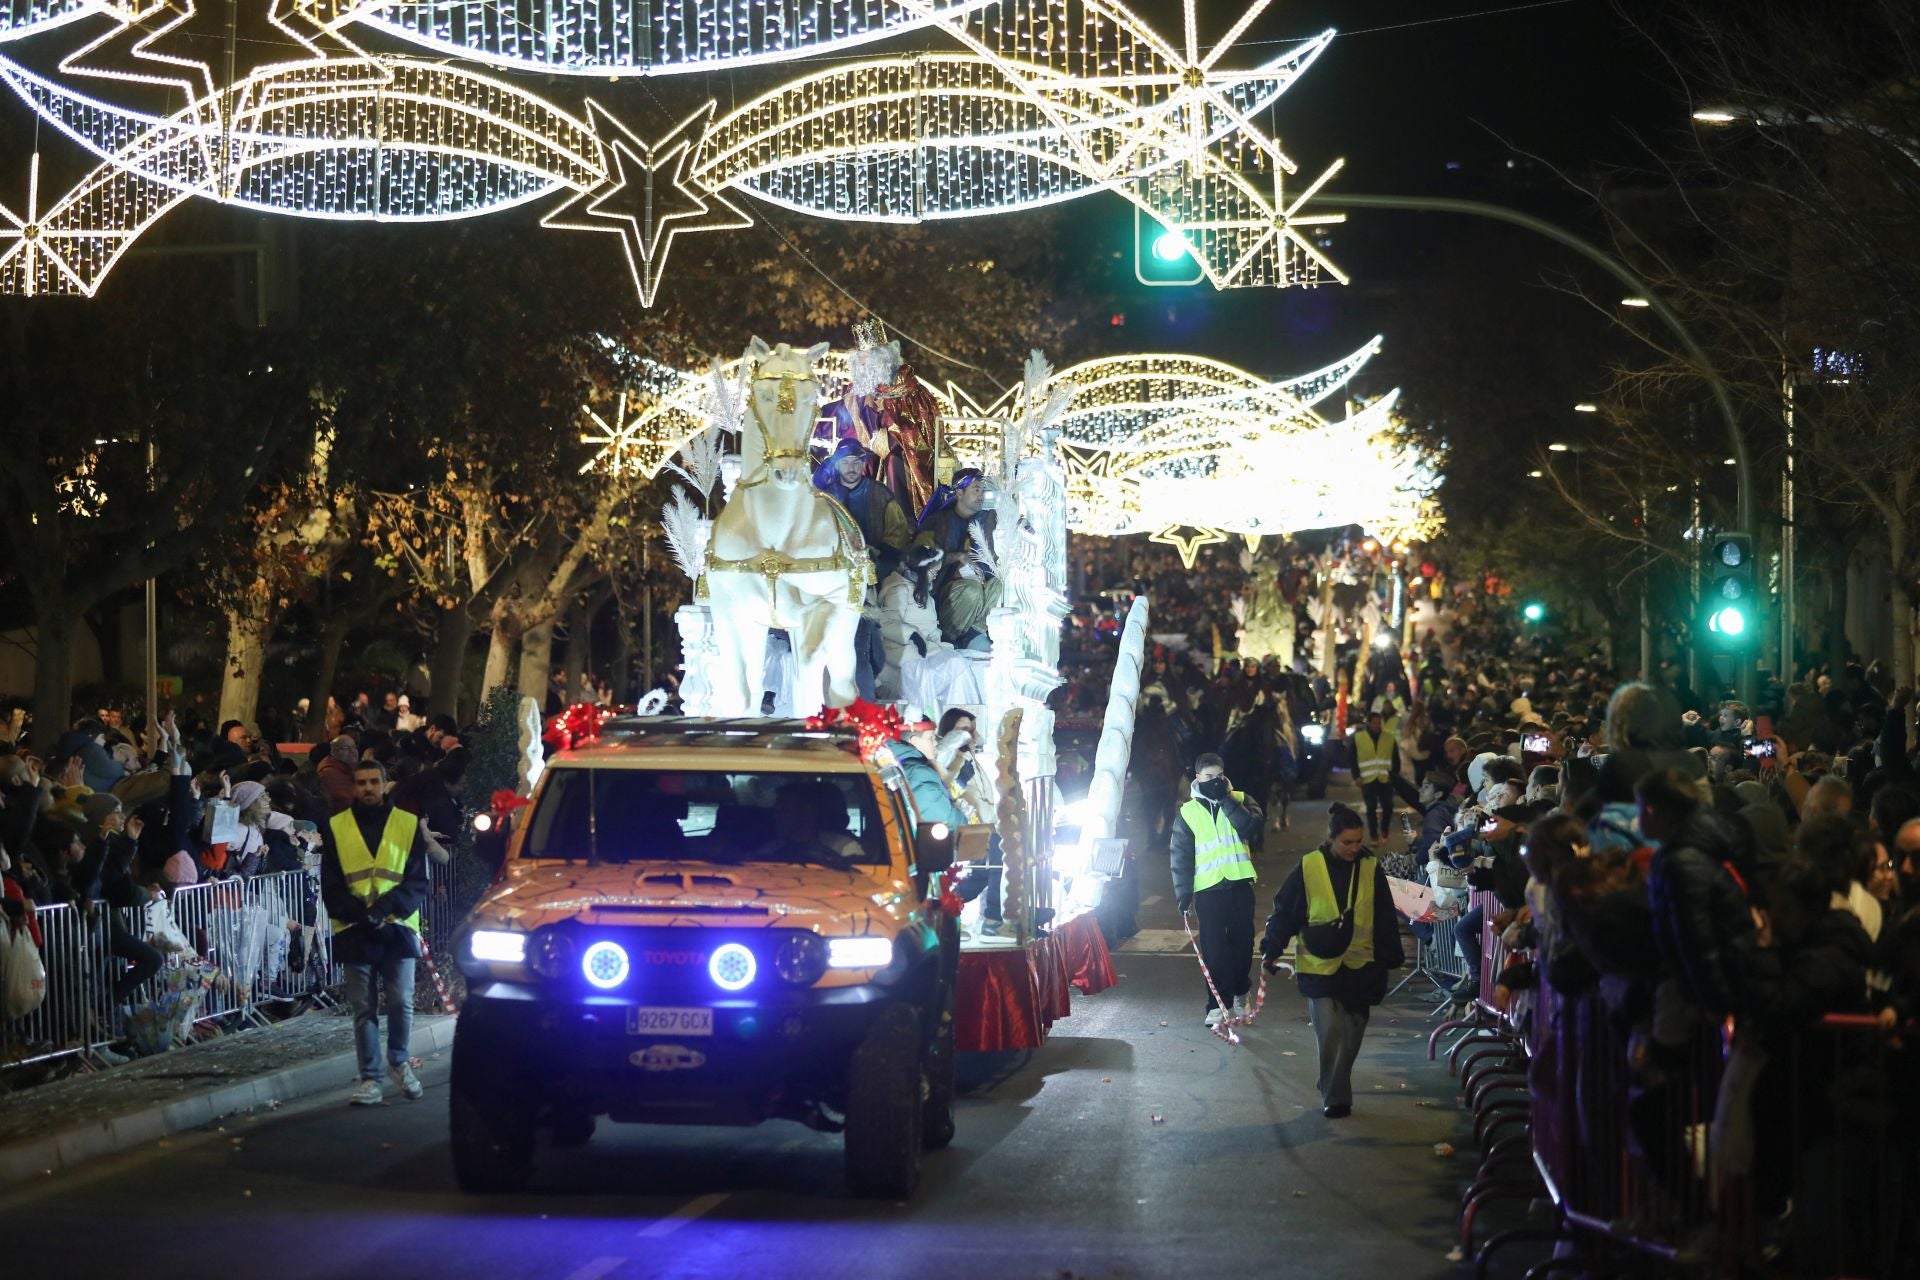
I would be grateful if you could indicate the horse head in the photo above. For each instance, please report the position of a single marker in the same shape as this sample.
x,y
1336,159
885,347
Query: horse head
x,y
784,398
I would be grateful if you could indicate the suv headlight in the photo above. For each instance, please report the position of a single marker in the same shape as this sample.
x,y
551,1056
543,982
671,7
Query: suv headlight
x,y
800,959
498,946
860,953
552,953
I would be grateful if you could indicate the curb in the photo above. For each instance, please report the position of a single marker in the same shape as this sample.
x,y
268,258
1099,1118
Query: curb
x,y
34,1159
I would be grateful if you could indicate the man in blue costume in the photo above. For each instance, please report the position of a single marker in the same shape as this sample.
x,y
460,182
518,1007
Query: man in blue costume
x,y
966,589
843,477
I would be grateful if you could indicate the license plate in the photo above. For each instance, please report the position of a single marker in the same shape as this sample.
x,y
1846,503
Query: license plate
x,y
669,1022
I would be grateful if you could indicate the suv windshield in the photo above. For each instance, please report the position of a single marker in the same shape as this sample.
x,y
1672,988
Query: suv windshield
x,y
721,816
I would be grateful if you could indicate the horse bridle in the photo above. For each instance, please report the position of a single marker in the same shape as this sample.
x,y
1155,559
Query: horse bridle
x,y
788,401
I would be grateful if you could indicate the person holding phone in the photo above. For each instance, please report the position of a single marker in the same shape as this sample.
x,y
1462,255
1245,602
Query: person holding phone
x,y
1338,904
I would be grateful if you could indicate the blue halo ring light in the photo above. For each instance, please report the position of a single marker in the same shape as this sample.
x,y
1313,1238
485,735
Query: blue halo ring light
x,y
605,965
732,967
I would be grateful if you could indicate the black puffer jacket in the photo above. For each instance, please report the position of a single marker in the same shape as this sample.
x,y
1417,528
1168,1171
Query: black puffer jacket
x,y
1825,971
1701,920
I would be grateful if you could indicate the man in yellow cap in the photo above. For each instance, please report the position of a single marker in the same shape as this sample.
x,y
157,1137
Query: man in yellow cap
x,y
373,879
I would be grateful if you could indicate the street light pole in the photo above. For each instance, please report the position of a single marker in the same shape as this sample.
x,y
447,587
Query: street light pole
x,y
1636,287
1722,398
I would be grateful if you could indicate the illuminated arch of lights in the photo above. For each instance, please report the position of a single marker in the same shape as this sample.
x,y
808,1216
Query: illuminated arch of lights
x,y
1154,444
1045,100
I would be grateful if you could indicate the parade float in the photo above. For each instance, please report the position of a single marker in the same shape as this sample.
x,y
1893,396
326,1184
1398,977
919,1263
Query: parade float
x,y
1139,444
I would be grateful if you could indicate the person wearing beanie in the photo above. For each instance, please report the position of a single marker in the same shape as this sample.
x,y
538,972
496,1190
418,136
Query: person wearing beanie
x,y
1211,855
335,774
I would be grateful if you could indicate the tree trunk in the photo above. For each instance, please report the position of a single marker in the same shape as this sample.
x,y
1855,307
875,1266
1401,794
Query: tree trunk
x,y
450,661
536,663
1900,605
326,666
579,651
503,642
52,678
248,630
621,677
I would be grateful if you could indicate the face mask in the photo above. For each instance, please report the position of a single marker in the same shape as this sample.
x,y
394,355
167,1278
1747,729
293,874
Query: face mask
x,y
1214,789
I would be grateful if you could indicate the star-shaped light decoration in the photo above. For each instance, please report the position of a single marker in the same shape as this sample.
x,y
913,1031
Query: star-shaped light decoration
x,y
1188,545
34,246
620,445
214,45
217,52
646,197
1198,97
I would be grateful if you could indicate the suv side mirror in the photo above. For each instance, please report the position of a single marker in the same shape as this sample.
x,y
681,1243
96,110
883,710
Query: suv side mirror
x,y
937,846
932,849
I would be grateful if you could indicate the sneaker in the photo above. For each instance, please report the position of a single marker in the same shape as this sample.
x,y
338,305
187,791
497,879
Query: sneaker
x,y
111,1058
987,928
1240,1008
402,1075
1214,1016
366,1094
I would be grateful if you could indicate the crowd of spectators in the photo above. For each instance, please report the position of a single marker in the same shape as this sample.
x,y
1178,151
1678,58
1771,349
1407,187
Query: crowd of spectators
x,y
1690,865
120,815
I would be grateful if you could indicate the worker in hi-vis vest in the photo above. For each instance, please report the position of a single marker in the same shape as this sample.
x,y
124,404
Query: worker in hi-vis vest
x,y
1338,904
1212,859
1376,759
373,879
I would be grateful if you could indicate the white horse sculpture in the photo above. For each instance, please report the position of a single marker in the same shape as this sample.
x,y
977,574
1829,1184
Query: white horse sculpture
x,y
783,553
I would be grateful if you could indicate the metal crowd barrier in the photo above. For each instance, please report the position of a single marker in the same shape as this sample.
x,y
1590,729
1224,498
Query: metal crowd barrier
x,y
248,944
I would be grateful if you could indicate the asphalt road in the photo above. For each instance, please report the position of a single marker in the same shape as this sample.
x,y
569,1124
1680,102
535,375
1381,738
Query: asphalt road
x,y
1134,1144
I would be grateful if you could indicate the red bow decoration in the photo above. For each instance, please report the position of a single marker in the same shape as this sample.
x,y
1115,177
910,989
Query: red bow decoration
x,y
578,723
951,903
506,801
874,725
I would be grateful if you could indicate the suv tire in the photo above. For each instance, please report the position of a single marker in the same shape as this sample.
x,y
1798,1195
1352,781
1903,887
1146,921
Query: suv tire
x,y
885,1104
491,1134
936,1119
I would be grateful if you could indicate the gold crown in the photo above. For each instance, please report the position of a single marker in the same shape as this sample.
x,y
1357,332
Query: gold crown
x,y
869,335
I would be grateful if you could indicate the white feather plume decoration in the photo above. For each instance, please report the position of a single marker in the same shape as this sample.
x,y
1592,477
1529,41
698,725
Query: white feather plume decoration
x,y
699,462
728,401
981,554
686,533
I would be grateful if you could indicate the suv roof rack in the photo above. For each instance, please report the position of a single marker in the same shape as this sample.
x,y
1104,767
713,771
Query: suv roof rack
x,y
751,731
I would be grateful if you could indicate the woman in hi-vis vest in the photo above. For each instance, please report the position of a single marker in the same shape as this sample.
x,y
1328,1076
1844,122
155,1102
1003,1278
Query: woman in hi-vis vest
x,y
1338,904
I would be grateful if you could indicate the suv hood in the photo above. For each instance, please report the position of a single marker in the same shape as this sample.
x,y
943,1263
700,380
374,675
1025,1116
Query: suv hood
x,y
768,895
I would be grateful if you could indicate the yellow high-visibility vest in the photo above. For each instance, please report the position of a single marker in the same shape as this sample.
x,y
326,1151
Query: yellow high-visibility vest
x,y
1324,908
1374,757
370,873
1218,851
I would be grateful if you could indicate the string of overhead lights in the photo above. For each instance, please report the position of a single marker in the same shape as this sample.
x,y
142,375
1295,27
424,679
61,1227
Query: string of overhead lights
x,y
1046,100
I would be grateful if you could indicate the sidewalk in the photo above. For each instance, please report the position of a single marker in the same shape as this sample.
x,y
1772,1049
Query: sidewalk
x,y
62,1125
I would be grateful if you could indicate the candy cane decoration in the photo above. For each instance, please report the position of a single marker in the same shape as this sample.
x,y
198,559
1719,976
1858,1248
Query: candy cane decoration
x,y
1228,1019
439,983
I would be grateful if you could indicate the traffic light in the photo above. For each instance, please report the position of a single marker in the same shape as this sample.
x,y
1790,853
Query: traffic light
x,y
1728,598
1162,257
1534,611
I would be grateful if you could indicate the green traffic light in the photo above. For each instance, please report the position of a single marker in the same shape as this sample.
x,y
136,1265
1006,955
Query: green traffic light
x,y
1534,612
1171,246
1729,621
